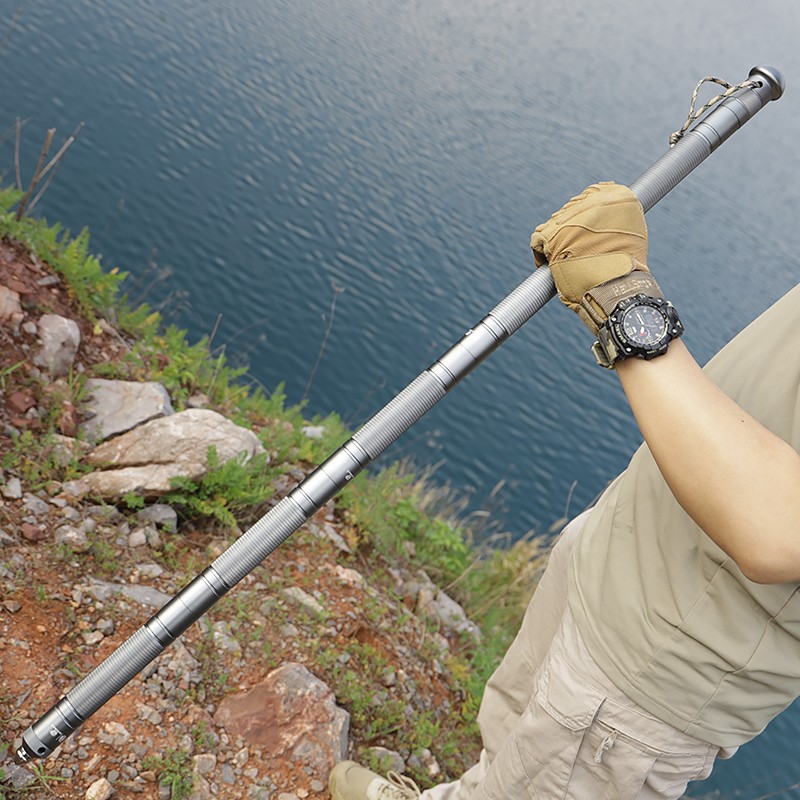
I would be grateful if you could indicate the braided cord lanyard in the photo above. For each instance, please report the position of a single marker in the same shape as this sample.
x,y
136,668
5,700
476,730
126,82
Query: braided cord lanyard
x,y
675,137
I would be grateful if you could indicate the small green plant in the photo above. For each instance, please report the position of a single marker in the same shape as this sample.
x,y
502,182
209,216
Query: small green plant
x,y
105,557
224,489
37,460
133,501
385,510
174,771
8,371
203,737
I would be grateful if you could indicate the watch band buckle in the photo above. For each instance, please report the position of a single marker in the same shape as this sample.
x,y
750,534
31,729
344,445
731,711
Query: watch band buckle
x,y
601,357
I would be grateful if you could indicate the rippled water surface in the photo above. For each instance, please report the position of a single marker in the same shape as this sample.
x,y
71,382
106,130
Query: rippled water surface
x,y
260,160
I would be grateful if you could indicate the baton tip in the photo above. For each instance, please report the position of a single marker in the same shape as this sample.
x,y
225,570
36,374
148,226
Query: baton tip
x,y
773,77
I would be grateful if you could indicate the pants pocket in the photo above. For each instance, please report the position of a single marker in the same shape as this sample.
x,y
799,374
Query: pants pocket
x,y
537,757
573,743
611,765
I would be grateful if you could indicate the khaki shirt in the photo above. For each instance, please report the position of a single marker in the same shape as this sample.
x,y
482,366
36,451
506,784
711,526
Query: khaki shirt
x,y
666,613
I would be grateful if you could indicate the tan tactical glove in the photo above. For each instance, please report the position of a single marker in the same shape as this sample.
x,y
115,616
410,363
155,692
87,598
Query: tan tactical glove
x,y
596,246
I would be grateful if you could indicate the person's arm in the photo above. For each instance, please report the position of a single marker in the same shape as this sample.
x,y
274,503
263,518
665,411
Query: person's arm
x,y
738,481
735,479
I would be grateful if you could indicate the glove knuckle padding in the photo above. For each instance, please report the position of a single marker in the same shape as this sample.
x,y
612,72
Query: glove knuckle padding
x,y
605,218
597,239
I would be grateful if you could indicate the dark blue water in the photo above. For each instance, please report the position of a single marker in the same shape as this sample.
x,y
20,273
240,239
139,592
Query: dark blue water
x,y
250,160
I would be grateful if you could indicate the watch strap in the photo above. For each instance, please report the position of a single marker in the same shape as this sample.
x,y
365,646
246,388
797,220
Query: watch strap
x,y
604,350
599,302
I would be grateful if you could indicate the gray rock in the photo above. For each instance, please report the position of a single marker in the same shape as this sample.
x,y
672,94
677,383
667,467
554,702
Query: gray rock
x,y
72,537
161,515
66,449
60,338
182,664
227,775
201,788
77,489
114,733
329,532
73,515
150,570
137,538
92,637
387,759
100,590
9,303
36,505
88,525
431,601
289,631
117,406
145,459
349,576
17,777
224,638
308,603
153,537
453,617
144,595
12,489
148,713
205,763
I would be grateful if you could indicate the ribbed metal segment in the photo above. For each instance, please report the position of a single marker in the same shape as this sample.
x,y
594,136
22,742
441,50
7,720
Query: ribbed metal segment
x,y
670,169
530,296
395,418
265,536
105,680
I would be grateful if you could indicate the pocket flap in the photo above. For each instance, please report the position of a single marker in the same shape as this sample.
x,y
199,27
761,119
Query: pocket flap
x,y
566,696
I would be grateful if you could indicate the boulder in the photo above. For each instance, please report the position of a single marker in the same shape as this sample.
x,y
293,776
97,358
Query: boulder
x,y
292,715
146,458
114,407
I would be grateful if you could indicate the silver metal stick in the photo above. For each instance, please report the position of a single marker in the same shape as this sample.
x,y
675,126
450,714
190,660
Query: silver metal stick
x,y
269,532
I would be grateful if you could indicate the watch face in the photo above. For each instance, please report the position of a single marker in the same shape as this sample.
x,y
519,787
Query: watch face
x,y
644,325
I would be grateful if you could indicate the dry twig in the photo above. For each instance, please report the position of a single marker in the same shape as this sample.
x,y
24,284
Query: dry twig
x,y
26,204
37,173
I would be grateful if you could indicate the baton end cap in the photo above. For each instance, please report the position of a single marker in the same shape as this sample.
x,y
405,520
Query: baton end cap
x,y
773,77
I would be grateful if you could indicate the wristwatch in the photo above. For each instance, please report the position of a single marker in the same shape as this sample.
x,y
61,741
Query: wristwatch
x,y
639,327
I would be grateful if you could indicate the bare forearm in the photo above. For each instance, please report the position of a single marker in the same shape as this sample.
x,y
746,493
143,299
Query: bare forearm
x,y
739,482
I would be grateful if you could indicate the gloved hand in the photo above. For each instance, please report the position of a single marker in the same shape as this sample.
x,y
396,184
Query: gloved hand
x,y
596,246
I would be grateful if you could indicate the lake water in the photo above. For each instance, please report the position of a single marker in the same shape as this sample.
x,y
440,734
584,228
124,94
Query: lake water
x,y
258,160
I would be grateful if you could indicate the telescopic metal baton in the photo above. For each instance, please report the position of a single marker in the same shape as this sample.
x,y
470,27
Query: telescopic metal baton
x,y
269,532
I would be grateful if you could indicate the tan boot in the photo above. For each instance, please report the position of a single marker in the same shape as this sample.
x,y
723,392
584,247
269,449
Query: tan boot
x,y
351,781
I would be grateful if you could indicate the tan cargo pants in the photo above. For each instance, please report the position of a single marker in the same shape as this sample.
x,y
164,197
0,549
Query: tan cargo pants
x,y
553,726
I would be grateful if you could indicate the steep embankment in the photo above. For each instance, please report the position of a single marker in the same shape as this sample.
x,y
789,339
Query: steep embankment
x,y
339,645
